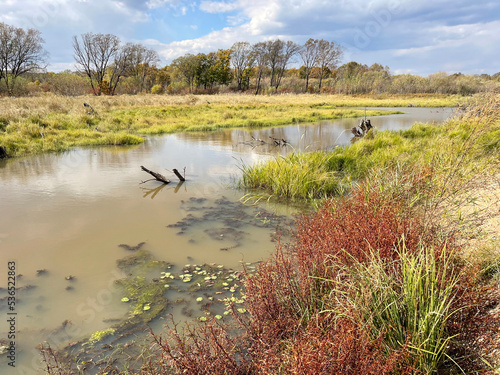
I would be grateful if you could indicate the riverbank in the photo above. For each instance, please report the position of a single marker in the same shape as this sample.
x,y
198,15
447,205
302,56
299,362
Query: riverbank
x,y
400,275
52,123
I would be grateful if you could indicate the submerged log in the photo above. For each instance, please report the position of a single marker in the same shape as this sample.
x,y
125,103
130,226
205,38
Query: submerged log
x,y
157,176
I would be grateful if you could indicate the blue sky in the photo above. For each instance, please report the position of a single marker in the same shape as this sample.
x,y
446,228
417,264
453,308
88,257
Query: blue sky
x,y
410,36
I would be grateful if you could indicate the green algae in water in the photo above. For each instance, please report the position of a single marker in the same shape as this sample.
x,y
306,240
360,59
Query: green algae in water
x,y
100,335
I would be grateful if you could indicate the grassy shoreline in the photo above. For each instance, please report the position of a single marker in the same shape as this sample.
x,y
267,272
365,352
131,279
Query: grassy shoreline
x,y
52,123
379,280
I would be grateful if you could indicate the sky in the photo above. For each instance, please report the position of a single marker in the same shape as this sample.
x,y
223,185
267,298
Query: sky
x,y
409,36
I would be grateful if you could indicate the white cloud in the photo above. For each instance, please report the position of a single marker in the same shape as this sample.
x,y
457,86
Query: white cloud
x,y
406,35
218,7
153,4
211,42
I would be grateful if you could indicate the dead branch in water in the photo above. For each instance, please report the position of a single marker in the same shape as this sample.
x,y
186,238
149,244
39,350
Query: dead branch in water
x,y
157,176
181,178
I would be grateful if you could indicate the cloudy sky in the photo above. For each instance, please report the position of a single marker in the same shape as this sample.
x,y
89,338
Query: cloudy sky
x,y
410,36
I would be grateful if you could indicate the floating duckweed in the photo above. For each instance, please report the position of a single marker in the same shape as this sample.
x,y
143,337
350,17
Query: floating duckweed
x,y
210,298
125,299
198,269
186,280
187,265
242,310
203,318
220,266
199,299
167,286
218,316
226,312
146,307
208,278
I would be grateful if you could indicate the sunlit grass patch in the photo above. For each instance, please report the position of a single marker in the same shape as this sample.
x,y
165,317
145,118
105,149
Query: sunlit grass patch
x,y
161,114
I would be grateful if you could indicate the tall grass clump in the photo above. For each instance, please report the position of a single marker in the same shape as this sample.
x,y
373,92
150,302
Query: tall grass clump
x,y
410,300
296,176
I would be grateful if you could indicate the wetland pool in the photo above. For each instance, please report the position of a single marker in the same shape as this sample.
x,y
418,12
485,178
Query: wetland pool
x,y
67,220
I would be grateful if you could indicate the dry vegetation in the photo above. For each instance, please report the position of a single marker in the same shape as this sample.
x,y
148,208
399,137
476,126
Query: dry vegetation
x,y
395,277
375,282
55,123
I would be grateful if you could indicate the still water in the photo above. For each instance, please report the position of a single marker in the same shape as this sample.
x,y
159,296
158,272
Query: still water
x,y
66,214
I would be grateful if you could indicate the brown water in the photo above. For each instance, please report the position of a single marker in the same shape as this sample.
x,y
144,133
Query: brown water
x,y
67,213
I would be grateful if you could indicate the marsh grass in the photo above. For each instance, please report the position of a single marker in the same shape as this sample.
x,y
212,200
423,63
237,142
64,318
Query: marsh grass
x,y
462,147
55,123
409,300
294,177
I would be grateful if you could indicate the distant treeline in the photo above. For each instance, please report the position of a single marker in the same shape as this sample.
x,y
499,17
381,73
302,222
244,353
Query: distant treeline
x,y
104,66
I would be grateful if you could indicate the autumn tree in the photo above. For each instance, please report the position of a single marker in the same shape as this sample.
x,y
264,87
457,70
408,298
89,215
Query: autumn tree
x,y
309,54
21,52
223,74
329,55
213,68
142,59
187,66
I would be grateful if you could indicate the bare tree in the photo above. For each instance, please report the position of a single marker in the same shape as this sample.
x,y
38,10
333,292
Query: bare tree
x,y
94,55
309,54
329,55
242,59
288,50
20,52
274,49
259,50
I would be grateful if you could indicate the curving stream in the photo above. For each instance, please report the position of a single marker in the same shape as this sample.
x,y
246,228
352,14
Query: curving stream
x,y
66,215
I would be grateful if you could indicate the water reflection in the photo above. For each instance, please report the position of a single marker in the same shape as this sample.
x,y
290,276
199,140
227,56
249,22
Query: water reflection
x,y
69,212
308,137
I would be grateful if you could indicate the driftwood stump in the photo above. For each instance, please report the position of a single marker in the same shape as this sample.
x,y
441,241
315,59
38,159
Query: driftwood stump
x,y
179,176
157,176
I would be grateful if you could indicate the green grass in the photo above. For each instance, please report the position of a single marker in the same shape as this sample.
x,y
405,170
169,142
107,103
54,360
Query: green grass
x,y
408,301
54,123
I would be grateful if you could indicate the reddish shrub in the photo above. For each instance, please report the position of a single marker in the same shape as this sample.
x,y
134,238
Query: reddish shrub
x,y
286,330
347,230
